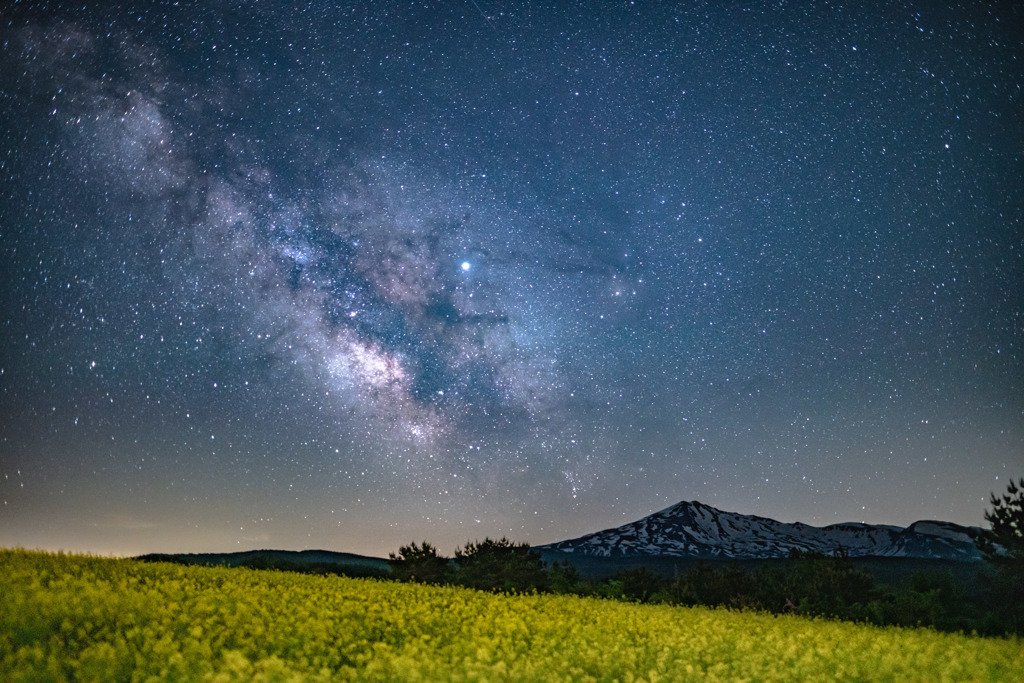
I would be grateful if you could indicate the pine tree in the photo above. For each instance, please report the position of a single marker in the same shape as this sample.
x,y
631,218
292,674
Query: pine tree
x,y
1004,544
1003,547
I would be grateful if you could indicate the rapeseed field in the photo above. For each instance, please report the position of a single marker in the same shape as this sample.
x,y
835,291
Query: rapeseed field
x,y
66,617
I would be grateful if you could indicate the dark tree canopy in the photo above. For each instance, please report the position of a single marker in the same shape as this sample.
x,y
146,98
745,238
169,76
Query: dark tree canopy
x,y
500,565
419,563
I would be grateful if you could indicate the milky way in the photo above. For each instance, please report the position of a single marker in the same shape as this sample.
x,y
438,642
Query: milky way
x,y
342,277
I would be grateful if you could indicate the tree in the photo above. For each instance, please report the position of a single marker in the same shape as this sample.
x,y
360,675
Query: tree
x,y
419,563
827,584
1003,547
639,583
706,584
564,578
500,565
1004,544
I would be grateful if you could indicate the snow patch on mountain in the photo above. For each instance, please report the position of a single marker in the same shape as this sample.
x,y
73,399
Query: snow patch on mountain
x,y
692,529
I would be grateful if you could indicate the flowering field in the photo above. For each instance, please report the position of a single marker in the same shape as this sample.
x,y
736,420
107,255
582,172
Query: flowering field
x,y
71,617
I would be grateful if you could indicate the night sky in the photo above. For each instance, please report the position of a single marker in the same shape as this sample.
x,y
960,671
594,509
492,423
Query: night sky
x,y
290,275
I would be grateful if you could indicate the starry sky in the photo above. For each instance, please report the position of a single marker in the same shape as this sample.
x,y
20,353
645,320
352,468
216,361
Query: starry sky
x,y
348,275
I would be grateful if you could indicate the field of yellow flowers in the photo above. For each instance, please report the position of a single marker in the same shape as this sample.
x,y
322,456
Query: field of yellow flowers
x,y
66,617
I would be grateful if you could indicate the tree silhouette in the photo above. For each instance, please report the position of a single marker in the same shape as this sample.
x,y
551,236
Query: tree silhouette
x,y
1003,547
1004,544
500,565
419,563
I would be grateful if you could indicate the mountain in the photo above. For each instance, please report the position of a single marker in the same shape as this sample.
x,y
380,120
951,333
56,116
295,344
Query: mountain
x,y
695,530
318,561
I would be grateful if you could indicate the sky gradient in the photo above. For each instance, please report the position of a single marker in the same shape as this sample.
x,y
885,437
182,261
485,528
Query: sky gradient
x,y
287,275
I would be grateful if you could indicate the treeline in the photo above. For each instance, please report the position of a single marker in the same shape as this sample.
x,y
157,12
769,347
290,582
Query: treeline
x,y
485,565
833,586
811,584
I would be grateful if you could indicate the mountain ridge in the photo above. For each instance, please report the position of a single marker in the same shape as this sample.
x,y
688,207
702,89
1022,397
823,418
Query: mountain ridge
x,y
691,529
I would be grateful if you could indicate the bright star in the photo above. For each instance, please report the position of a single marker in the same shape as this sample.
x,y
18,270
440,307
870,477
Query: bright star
x,y
465,265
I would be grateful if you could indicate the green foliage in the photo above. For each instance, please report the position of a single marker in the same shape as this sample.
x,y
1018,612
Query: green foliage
x,y
500,565
827,585
564,578
419,563
639,584
704,584
83,618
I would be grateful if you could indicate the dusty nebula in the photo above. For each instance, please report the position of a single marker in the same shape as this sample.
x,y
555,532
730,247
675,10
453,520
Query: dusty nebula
x,y
343,276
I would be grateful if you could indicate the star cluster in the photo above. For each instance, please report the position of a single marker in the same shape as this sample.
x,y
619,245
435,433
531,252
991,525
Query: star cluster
x,y
347,276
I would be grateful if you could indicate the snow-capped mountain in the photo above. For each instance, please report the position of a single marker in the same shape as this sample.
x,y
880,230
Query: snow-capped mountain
x,y
692,529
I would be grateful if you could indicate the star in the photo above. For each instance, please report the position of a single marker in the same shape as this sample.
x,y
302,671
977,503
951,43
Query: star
x,y
690,249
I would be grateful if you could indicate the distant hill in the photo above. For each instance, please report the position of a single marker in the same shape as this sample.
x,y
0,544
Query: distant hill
x,y
318,561
694,530
685,531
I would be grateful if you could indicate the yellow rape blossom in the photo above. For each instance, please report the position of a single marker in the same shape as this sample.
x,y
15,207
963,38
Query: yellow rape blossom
x,y
66,617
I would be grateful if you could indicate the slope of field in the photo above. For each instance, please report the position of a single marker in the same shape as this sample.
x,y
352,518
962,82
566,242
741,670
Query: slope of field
x,y
82,618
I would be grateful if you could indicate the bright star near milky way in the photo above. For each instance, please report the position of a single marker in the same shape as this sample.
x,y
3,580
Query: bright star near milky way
x,y
246,225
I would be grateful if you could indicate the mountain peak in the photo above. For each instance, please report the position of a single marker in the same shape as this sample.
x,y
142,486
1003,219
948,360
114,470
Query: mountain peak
x,y
694,529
